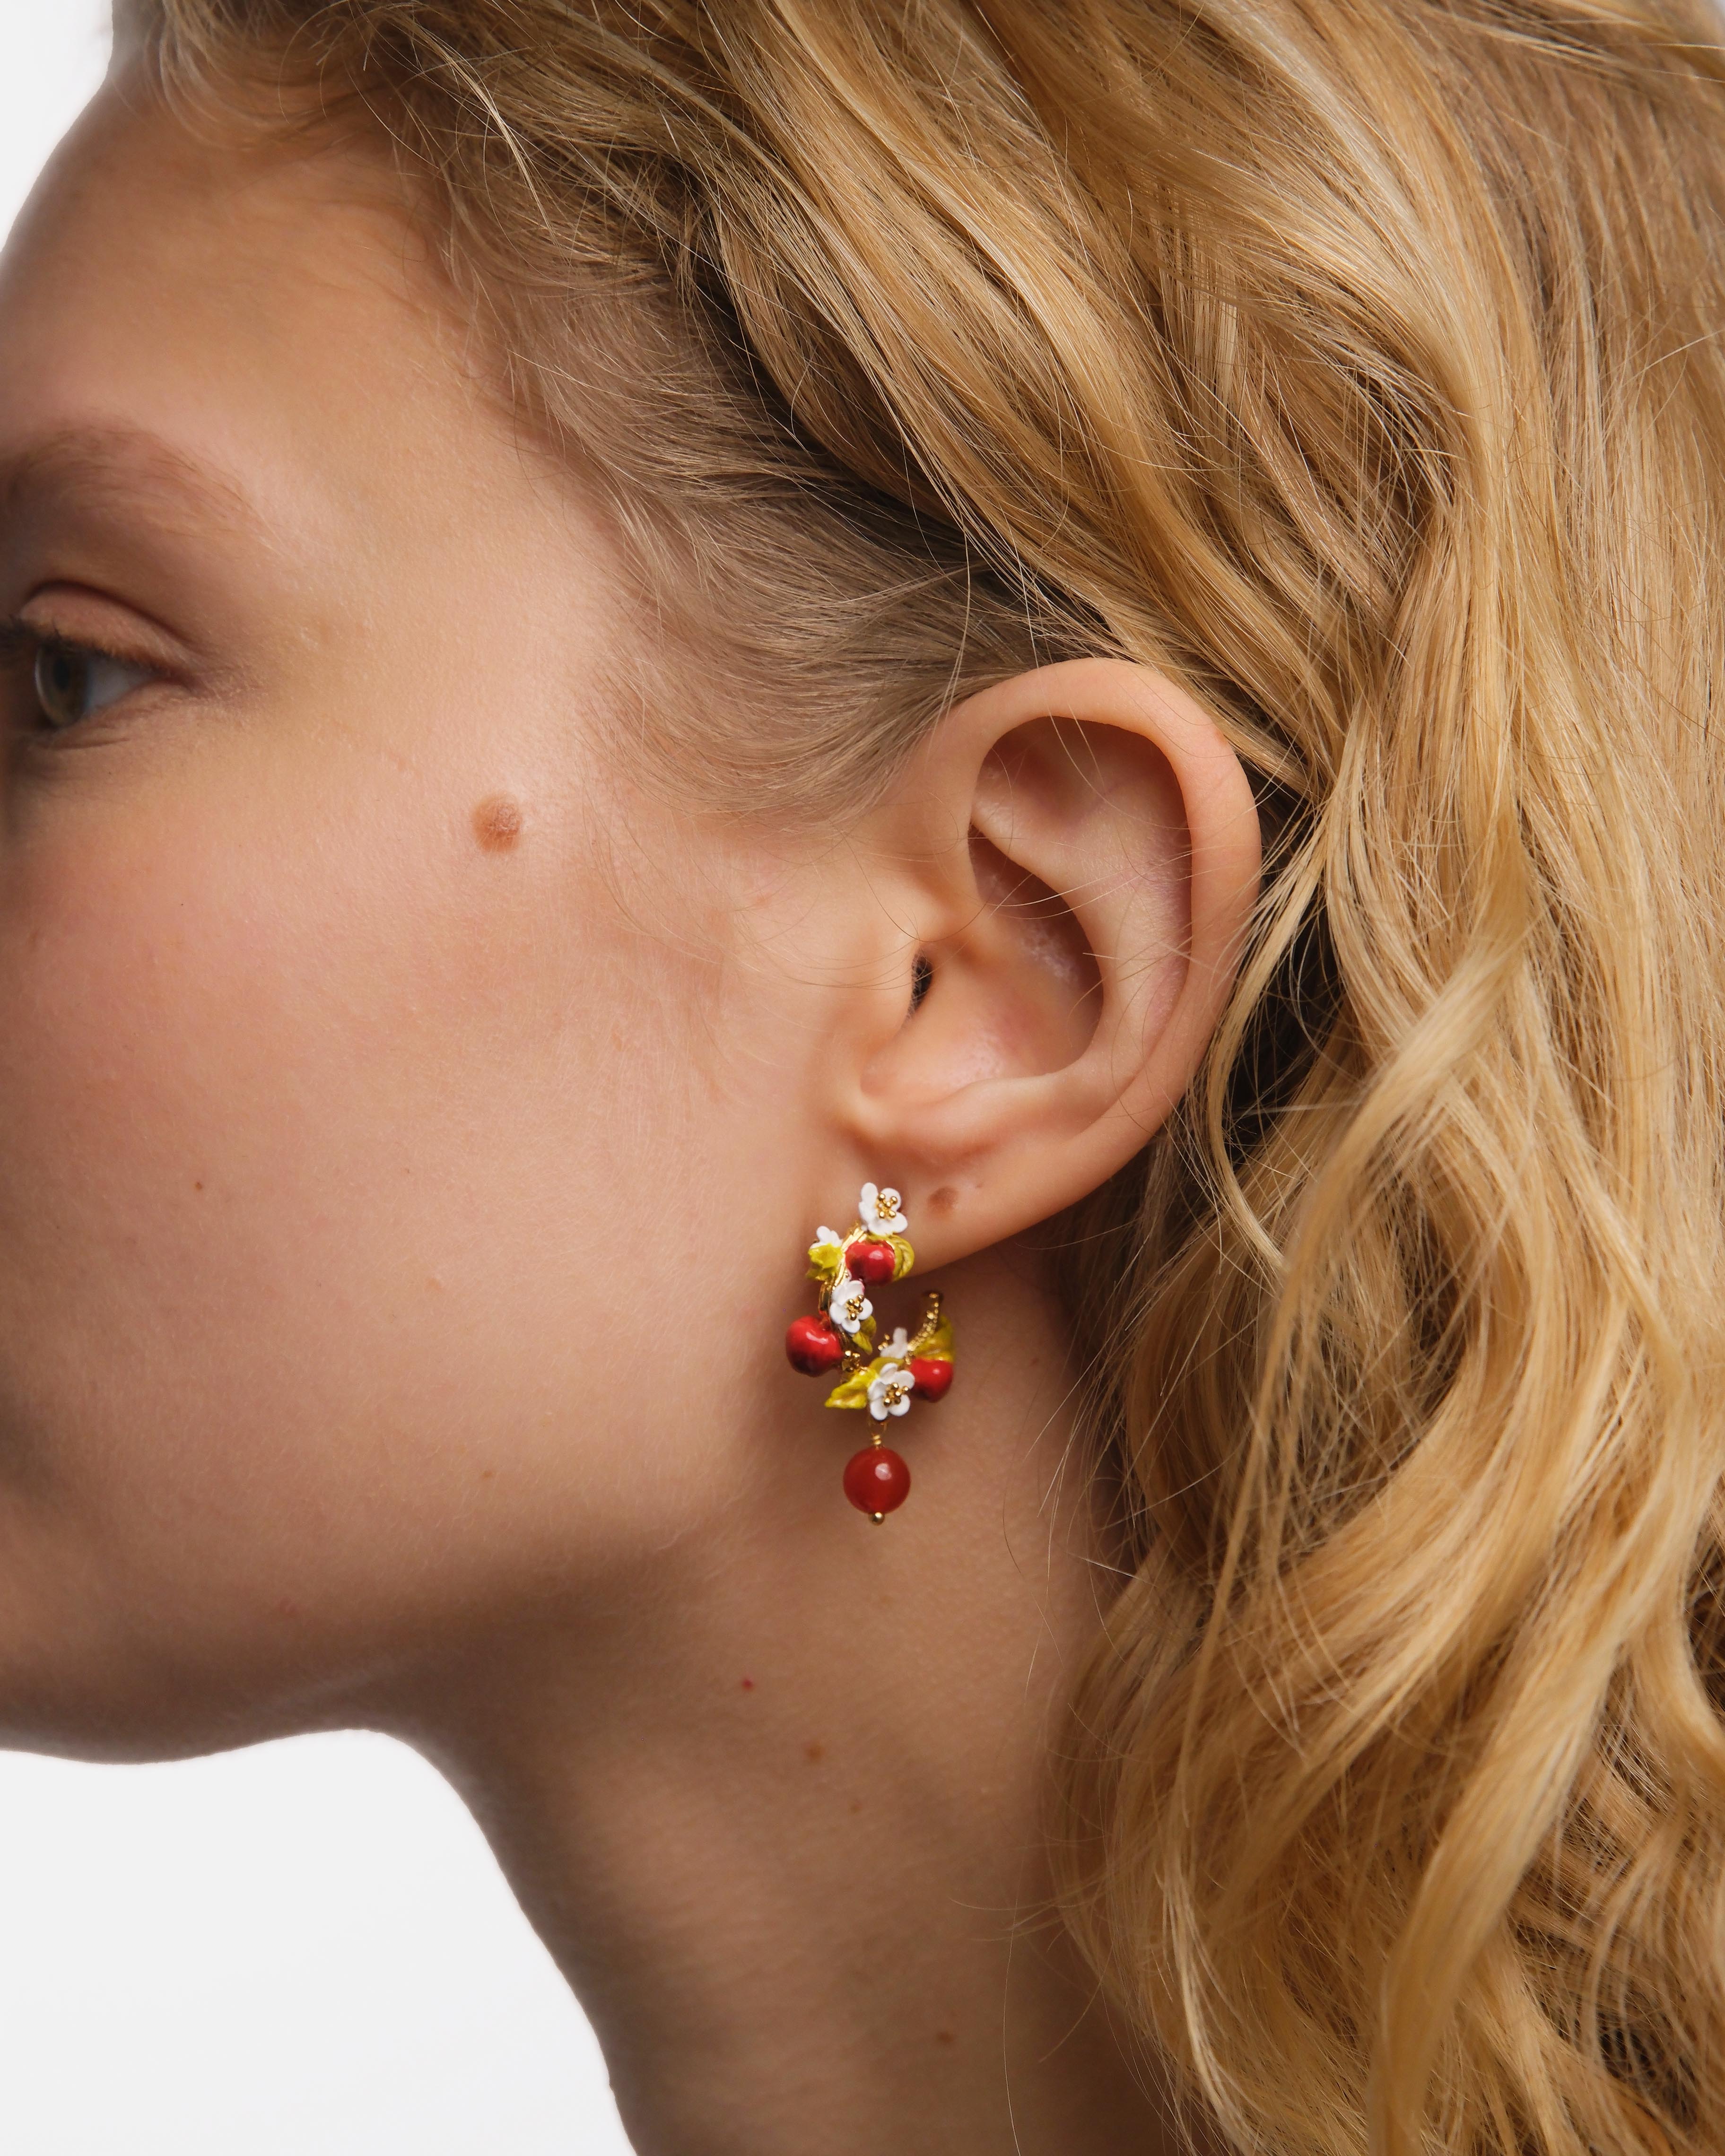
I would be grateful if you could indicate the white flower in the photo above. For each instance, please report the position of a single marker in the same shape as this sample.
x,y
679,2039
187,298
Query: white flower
x,y
850,1307
898,1349
881,1212
890,1392
825,1240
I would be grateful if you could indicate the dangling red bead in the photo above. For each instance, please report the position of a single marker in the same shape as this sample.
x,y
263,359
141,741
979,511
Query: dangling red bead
x,y
873,1262
877,1481
934,1378
813,1346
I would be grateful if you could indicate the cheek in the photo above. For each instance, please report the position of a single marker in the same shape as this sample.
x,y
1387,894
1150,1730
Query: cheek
x,y
331,1179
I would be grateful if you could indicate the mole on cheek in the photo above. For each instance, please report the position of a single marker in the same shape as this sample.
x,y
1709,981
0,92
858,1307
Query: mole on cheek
x,y
497,823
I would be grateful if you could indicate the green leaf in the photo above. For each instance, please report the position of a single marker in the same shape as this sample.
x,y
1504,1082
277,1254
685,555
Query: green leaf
x,y
904,1257
853,1391
934,1340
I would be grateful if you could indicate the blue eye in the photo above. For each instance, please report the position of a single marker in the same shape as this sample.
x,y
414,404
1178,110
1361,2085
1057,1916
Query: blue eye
x,y
74,683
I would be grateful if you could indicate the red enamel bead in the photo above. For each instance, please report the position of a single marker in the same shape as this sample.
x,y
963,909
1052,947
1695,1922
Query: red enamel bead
x,y
934,1378
813,1346
877,1481
873,1262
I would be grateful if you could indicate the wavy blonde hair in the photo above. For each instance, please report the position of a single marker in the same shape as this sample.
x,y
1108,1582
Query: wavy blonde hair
x,y
1357,362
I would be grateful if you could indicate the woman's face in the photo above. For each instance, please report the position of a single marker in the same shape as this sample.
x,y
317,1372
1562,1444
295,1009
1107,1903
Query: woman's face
x,y
388,1152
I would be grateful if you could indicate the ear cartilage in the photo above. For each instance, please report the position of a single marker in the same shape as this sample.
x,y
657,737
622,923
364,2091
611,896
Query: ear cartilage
x,y
842,1335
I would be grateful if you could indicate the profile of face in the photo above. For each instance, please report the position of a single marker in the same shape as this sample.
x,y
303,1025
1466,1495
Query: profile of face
x,y
411,1111
442,998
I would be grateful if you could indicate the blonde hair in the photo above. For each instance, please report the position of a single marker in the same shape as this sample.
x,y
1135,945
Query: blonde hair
x,y
1356,362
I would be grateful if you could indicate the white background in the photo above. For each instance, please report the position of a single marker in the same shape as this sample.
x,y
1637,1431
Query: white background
x,y
303,1950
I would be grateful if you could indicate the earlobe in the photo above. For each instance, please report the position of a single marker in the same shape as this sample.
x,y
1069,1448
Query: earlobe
x,y
1080,938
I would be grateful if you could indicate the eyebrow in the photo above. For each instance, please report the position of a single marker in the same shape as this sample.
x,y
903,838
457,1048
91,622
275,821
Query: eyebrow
x,y
128,471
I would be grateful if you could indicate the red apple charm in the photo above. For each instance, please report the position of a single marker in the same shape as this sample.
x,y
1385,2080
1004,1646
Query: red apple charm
x,y
876,1263
933,1376
813,1346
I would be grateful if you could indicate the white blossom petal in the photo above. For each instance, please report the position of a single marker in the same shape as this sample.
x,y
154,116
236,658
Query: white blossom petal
x,y
881,1211
850,1307
890,1392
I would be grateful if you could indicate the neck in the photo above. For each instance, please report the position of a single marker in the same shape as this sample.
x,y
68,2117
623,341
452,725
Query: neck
x,y
779,1811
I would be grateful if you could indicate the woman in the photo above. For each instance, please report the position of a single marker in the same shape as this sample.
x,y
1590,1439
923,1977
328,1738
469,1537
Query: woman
x,y
1097,624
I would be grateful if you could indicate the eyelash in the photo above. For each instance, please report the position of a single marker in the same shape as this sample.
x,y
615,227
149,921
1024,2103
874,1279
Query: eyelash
x,y
18,640
22,642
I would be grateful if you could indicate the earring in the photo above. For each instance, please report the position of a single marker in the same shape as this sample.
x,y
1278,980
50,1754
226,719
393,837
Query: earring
x,y
842,1335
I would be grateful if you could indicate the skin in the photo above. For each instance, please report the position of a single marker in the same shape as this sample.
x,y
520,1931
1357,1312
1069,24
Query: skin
x,y
410,1129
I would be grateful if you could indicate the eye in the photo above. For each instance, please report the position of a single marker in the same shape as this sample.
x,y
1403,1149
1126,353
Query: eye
x,y
74,683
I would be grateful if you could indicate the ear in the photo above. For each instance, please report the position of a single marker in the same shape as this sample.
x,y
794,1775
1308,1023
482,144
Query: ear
x,y
1066,874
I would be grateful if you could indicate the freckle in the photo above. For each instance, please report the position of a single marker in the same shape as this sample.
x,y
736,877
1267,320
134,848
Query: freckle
x,y
944,2036
855,1806
287,1607
748,1684
814,1753
944,1199
497,823
488,1475
197,1186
